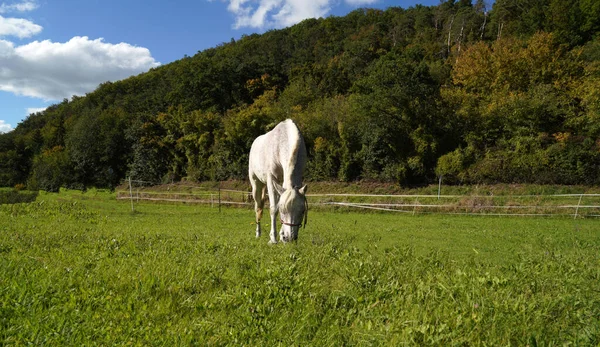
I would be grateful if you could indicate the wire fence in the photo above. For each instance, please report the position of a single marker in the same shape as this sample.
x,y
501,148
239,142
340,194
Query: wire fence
x,y
546,205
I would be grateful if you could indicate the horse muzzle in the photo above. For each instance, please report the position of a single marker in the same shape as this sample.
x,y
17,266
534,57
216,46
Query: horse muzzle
x,y
289,232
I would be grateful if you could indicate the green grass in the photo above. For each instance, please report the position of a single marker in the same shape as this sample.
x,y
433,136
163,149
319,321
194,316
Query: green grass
x,y
82,269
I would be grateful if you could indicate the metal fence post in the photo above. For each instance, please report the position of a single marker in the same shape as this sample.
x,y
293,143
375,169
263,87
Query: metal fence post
x,y
578,204
131,194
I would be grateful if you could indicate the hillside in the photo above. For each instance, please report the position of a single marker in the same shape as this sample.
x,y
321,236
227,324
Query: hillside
x,y
477,95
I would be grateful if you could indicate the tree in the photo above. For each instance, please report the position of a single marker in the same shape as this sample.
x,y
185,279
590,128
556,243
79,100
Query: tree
x,y
240,127
395,104
98,148
379,94
50,170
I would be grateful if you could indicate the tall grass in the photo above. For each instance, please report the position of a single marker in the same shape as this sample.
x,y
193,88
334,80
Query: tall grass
x,y
81,269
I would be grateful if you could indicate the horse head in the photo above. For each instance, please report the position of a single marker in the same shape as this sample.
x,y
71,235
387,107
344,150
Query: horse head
x,y
293,211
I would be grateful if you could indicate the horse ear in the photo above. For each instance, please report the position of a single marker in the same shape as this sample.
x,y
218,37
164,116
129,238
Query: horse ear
x,y
303,190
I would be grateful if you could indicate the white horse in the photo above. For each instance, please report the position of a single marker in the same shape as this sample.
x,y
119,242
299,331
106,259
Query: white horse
x,y
276,164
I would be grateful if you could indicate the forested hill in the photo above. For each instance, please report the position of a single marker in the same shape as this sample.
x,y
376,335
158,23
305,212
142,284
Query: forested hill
x,y
508,94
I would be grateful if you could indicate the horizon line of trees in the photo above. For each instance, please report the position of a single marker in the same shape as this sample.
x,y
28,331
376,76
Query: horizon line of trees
x,y
473,94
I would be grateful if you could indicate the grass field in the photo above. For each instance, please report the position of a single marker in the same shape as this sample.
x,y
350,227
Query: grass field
x,y
82,269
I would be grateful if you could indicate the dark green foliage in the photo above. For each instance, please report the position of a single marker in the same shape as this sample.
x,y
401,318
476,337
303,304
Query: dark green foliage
x,y
150,158
394,108
14,196
15,157
507,94
51,170
98,148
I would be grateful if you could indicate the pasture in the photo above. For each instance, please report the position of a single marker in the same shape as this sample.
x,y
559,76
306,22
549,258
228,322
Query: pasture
x,y
82,269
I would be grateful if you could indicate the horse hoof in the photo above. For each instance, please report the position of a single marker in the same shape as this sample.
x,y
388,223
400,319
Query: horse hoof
x,y
271,242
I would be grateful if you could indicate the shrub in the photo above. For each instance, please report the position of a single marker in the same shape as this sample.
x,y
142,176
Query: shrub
x,y
50,170
15,197
451,166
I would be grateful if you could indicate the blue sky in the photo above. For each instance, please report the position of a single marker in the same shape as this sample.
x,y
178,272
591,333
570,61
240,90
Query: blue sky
x,y
51,50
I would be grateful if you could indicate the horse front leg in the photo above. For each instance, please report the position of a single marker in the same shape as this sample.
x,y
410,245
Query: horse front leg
x,y
273,201
258,217
258,194
258,211
273,232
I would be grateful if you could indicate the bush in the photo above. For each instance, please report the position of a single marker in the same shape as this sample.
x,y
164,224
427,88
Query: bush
x,y
569,160
50,170
16,197
452,166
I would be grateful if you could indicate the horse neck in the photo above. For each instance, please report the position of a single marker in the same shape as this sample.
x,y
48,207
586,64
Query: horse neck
x,y
292,178
293,158
292,173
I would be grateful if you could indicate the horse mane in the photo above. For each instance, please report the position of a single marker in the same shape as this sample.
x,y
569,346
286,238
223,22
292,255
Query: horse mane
x,y
286,201
295,140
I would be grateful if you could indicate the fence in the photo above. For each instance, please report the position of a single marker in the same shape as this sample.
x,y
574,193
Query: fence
x,y
215,196
565,205
570,205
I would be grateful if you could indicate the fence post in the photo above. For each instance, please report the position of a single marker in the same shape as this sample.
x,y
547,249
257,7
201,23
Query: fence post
x,y
219,196
131,194
440,187
415,207
578,204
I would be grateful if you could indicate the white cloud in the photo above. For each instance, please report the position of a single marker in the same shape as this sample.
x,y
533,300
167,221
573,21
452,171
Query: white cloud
x,y
31,110
54,70
18,27
294,11
24,6
275,13
360,2
5,127
281,13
